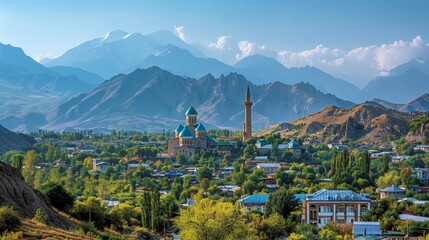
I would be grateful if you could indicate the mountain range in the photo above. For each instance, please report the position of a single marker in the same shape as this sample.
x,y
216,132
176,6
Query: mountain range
x,y
26,85
153,99
70,92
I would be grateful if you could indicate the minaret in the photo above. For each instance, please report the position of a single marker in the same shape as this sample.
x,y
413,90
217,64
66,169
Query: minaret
x,y
247,125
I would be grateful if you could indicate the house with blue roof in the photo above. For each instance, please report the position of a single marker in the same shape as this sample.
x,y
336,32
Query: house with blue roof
x,y
265,148
260,200
391,192
341,206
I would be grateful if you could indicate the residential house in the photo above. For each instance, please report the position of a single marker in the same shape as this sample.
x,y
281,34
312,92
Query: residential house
x,y
341,206
422,174
391,192
269,168
254,202
424,148
265,148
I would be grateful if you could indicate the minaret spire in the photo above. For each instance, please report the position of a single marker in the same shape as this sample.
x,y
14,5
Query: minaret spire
x,y
247,125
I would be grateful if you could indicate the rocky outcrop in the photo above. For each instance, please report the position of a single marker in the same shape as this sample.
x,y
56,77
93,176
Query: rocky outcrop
x,y
14,191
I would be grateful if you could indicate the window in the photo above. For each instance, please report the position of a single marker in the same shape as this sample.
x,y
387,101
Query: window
x,y
340,209
350,209
340,220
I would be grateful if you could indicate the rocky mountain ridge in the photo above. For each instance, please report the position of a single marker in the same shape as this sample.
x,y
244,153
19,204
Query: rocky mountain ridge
x,y
363,123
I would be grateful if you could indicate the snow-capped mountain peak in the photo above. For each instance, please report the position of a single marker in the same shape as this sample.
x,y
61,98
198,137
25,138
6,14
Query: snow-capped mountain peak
x,y
114,36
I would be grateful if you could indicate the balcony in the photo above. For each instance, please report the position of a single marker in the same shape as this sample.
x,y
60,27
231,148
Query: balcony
x,y
325,214
350,213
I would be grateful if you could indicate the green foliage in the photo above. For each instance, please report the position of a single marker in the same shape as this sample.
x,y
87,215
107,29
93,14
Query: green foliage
x,y
9,219
211,220
150,205
281,202
204,172
58,196
90,209
40,216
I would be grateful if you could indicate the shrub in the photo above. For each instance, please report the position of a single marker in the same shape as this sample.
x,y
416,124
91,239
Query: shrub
x,y
9,219
40,216
58,196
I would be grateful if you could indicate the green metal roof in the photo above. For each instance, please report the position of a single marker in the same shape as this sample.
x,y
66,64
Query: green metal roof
x,y
186,133
179,128
200,128
191,111
293,144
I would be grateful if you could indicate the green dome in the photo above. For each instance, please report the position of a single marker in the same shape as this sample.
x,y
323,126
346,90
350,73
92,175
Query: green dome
x,y
191,111
293,144
179,128
200,128
186,133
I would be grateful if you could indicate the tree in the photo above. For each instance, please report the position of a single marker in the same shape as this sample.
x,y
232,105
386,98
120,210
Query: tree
x,y
205,184
210,220
58,196
17,161
92,210
9,219
282,202
150,205
29,171
204,172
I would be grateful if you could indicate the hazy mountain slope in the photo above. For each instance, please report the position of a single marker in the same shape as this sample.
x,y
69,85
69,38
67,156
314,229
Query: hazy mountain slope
x,y
180,61
260,69
14,141
420,104
402,88
85,76
421,65
26,85
154,99
359,123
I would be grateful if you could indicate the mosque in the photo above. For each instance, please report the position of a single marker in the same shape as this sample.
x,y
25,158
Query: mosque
x,y
192,136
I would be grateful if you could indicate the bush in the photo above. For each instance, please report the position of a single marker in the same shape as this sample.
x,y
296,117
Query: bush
x,y
40,216
58,196
9,219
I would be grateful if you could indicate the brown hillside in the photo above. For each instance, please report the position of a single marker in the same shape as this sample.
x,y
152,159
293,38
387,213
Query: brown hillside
x,y
14,191
365,123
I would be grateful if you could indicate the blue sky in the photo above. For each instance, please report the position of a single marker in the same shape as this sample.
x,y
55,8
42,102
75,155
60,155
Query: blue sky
x,y
52,27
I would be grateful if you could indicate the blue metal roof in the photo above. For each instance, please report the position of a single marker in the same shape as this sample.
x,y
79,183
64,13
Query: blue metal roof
x,y
179,128
336,195
392,188
191,111
200,128
186,133
366,228
261,198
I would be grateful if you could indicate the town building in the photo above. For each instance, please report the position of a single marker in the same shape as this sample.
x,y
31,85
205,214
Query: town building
x,y
391,192
265,148
191,137
269,168
424,148
341,206
422,174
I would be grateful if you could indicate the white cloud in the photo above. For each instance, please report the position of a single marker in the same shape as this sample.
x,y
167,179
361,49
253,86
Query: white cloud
x,y
358,65
247,48
180,32
221,43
